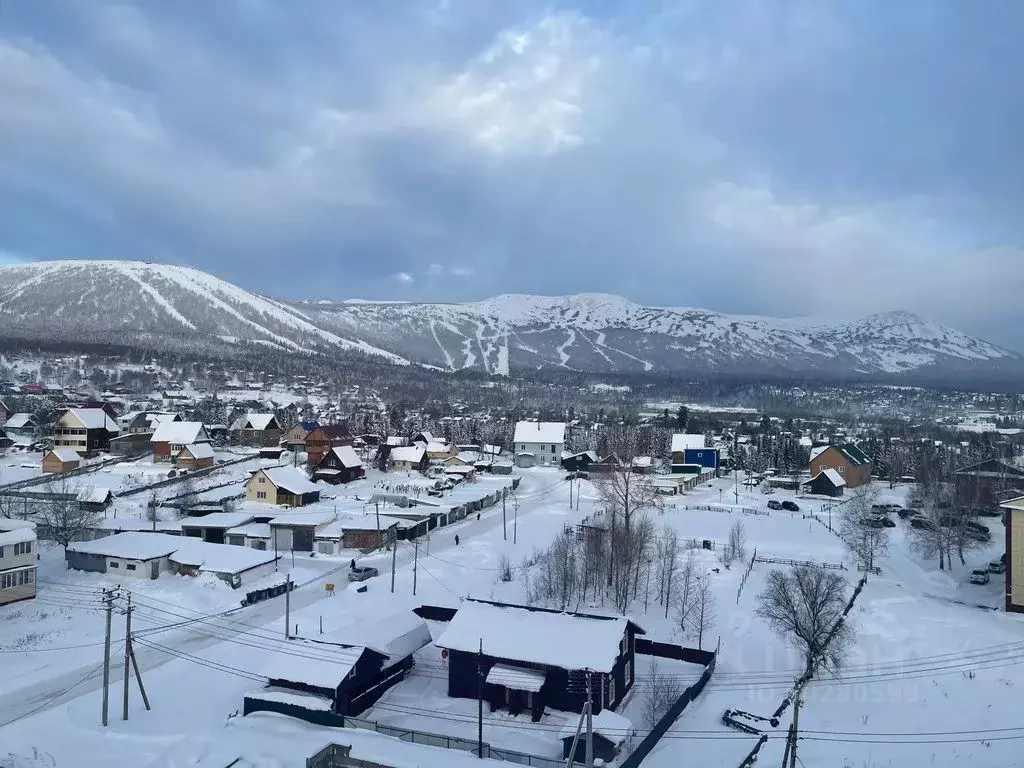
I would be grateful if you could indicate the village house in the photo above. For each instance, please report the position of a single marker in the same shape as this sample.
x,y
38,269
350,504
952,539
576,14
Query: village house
x,y
320,440
852,464
171,436
692,449
283,486
339,465
22,426
59,460
439,451
410,458
985,484
295,436
134,444
535,657
579,462
5,413
1013,521
212,528
143,422
539,443
828,482
86,430
195,456
256,430
17,561
133,554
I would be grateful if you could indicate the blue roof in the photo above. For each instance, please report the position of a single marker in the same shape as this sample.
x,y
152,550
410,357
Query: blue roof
x,y
309,426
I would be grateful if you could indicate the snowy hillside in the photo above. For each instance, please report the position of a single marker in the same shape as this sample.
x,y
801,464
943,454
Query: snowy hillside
x,y
125,302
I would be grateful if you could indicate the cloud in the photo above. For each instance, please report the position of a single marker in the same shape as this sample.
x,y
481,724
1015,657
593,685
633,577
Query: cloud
x,y
753,157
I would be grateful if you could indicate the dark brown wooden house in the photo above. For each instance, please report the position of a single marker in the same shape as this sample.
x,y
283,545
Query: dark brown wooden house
x,y
339,465
319,441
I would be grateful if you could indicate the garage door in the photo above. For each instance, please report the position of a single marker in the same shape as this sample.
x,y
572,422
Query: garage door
x,y
302,539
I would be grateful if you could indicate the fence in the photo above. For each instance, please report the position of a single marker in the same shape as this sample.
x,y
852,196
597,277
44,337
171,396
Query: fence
x,y
727,510
801,563
646,647
668,719
453,742
180,478
743,581
82,470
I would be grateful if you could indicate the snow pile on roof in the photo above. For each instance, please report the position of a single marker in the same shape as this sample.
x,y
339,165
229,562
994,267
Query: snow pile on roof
x,y
218,558
19,421
66,454
834,477
818,450
347,456
131,545
569,641
179,432
313,664
290,479
610,725
687,442
198,450
17,535
517,678
540,432
313,517
218,520
93,495
94,418
295,698
252,530
396,636
411,453
259,421
437,447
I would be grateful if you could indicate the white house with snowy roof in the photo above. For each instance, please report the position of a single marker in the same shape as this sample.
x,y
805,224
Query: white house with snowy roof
x,y
539,443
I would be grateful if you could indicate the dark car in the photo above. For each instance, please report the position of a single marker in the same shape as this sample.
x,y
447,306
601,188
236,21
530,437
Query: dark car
x,y
362,573
791,506
905,513
922,523
976,535
775,504
577,476
878,522
990,512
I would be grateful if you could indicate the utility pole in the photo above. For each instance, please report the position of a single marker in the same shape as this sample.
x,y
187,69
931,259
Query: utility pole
x,y
504,530
394,554
376,506
515,519
108,605
287,604
589,760
415,564
138,679
480,701
127,655
796,727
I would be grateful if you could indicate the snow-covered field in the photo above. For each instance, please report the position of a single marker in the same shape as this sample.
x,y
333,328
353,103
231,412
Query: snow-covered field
x,y
928,660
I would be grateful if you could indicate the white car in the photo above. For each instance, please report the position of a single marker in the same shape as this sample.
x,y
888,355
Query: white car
x,y
979,576
997,566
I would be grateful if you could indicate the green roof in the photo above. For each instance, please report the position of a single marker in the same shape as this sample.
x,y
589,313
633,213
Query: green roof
x,y
854,453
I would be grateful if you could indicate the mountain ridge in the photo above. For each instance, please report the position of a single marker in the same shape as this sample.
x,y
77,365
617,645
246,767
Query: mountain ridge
x,y
124,301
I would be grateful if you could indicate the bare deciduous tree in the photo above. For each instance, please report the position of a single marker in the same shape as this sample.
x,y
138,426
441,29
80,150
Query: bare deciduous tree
x,y
667,553
687,582
860,529
704,610
187,494
62,519
736,546
660,693
805,606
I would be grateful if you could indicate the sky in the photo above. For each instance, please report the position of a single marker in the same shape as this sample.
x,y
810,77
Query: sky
x,y
781,157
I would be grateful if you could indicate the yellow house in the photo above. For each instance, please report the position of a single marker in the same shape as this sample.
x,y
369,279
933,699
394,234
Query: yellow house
x,y
1014,525
283,486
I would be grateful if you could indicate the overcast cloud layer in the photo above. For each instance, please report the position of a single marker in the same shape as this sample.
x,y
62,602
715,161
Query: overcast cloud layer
x,y
789,157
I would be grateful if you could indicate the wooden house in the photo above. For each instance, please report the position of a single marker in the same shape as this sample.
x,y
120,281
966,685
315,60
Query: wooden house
x,y
692,449
194,456
171,436
295,436
256,430
22,425
60,460
283,486
319,441
339,465
828,482
985,484
579,462
85,430
133,444
535,657
1013,522
852,464
411,458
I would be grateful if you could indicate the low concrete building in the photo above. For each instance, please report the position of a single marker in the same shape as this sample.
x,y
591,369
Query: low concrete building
x,y
133,554
235,566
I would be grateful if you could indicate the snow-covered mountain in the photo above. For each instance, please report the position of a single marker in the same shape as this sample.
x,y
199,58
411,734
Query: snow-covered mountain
x,y
122,302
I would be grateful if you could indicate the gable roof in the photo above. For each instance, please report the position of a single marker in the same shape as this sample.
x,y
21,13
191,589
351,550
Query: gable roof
x,y
687,442
180,432
396,636
568,640
197,450
818,450
289,479
987,468
347,456
412,453
334,431
64,454
20,421
92,418
854,453
540,432
833,477
257,421
312,664
130,545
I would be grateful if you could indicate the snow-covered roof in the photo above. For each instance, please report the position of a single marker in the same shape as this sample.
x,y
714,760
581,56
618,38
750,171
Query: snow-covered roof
x,y
130,545
517,678
642,461
686,442
16,535
313,664
295,698
438,447
252,421
290,479
93,495
314,518
396,441
347,456
179,432
411,453
94,418
396,636
219,558
834,477
610,725
19,421
66,454
198,450
569,641
459,469
540,432
223,520
818,450
252,530
806,442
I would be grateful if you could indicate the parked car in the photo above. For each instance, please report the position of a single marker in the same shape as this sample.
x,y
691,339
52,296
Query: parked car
x,y
362,573
990,512
997,566
905,513
774,504
577,476
979,576
878,522
976,535
922,523
791,506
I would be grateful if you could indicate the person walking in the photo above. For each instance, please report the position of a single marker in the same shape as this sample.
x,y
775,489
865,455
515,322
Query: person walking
x,y
477,515
456,540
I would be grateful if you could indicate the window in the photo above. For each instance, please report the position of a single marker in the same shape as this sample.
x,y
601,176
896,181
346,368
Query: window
x,y
552,449
627,673
1,551
611,690
22,548
130,566
261,494
114,564
261,479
